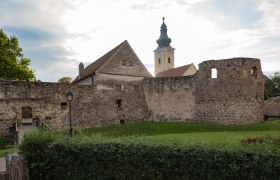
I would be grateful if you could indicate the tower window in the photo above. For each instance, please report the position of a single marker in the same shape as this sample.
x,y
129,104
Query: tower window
x,y
214,73
130,63
169,60
123,62
159,60
254,71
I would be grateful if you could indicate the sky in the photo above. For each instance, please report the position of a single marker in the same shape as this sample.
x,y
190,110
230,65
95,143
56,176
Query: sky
x,y
56,35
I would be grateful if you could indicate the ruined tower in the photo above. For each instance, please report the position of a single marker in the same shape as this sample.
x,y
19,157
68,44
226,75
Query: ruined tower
x,y
234,94
164,54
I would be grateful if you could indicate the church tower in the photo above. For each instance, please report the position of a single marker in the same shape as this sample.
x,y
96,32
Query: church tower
x,y
164,54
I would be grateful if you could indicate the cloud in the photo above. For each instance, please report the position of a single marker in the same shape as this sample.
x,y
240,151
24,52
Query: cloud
x,y
38,26
151,5
229,15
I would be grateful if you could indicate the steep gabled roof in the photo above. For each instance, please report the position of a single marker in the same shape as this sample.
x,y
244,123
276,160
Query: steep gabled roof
x,y
176,72
93,67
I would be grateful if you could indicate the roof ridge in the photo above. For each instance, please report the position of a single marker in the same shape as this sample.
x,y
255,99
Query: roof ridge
x,y
168,73
94,66
117,50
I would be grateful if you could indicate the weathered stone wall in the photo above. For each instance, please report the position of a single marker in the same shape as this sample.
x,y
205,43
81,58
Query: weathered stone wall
x,y
44,99
90,107
234,97
170,99
272,107
97,105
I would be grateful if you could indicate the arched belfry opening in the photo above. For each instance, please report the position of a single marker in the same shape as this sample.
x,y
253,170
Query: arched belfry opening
x,y
214,73
26,115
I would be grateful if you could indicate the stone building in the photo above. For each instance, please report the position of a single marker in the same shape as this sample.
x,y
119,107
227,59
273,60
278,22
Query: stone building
x,y
121,64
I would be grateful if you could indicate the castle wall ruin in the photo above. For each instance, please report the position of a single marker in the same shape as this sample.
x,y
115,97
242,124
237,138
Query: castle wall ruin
x,y
235,96
90,107
170,98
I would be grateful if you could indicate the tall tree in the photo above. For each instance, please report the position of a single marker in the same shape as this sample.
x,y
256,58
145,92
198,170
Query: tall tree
x,y
65,80
272,86
13,64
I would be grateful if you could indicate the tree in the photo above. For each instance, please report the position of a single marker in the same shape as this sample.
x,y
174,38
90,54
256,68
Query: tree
x,y
272,86
65,80
13,64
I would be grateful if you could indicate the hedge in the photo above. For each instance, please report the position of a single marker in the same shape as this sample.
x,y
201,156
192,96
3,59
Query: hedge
x,y
68,159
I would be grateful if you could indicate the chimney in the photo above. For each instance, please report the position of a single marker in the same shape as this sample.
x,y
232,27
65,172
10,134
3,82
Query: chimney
x,y
81,69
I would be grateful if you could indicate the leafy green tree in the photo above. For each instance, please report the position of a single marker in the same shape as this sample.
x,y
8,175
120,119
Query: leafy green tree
x,y
13,64
272,86
65,80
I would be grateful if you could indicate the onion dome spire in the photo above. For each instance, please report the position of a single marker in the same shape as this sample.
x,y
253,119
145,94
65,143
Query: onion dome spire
x,y
164,40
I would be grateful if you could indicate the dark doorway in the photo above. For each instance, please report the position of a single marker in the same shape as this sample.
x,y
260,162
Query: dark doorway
x,y
26,115
122,121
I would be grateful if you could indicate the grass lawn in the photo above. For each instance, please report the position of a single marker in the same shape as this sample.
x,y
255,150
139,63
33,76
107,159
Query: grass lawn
x,y
156,128
3,149
222,137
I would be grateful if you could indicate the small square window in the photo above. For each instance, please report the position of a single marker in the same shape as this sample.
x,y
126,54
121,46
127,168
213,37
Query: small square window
x,y
123,62
130,63
118,87
119,103
63,105
122,121
135,88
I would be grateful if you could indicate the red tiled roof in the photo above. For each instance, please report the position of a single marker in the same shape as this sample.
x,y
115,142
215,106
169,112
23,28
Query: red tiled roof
x,y
93,67
176,72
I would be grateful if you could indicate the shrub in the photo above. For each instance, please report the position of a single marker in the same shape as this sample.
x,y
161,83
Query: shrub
x,y
56,157
266,140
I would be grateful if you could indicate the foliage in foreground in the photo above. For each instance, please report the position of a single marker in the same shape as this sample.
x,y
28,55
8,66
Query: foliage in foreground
x,y
3,149
53,156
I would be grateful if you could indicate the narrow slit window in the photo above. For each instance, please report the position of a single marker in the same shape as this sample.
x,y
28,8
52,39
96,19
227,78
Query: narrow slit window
x,y
119,103
214,73
158,60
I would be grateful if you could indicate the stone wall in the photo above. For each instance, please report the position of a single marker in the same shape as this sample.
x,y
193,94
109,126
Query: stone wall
x,y
234,97
272,107
170,99
44,99
90,107
107,104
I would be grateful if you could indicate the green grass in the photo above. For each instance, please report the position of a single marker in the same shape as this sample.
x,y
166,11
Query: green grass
x,y
155,128
222,137
3,149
